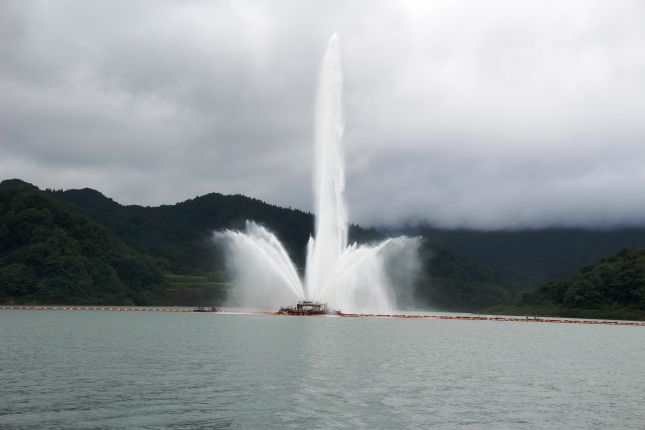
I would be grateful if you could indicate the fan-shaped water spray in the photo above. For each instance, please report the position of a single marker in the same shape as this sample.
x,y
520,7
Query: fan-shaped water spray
x,y
350,278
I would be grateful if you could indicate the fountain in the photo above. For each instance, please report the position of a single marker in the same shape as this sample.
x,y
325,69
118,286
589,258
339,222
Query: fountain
x,y
349,278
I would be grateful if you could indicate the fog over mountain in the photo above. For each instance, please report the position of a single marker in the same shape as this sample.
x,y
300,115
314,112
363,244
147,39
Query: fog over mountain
x,y
460,113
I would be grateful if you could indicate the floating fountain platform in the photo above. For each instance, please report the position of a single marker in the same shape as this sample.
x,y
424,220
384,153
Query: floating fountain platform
x,y
307,307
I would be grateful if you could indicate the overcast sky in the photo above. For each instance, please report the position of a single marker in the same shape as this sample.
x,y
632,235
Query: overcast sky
x,y
488,114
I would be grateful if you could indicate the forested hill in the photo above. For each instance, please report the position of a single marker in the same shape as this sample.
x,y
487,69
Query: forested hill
x,y
52,254
452,283
611,288
179,236
533,257
461,270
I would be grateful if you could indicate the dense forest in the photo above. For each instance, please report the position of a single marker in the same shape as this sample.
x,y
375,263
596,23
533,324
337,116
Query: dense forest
x,y
179,237
532,257
611,288
449,282
174,259
50,253
176,240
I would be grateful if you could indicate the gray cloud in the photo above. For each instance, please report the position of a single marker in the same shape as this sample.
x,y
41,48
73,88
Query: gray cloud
x,y
459,113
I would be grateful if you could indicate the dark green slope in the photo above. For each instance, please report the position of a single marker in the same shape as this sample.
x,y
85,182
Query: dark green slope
x,y
532,257
611,288
16,184
179,237
50,253
451,283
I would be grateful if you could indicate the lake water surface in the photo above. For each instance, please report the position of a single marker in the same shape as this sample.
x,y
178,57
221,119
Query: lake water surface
x,y
84,369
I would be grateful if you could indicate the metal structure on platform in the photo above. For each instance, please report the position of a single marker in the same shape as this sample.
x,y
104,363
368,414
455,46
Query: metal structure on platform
x,y
206,309
307,307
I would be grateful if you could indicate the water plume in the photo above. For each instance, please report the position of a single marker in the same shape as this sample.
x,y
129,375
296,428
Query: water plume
x,y
349,278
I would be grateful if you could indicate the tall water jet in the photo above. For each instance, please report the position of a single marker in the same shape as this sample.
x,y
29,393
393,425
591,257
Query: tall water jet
x,y
329,175
350,278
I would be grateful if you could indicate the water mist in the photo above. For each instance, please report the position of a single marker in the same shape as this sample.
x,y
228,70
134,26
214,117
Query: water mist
x,y
349,278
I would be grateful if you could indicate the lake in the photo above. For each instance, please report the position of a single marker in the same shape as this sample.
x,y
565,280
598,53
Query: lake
x,y
84,369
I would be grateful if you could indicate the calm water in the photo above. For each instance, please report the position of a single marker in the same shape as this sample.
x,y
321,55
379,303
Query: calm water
x,y
79,369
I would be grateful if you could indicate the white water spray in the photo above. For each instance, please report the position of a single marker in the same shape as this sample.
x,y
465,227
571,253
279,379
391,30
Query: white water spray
x,y
329,176
348,278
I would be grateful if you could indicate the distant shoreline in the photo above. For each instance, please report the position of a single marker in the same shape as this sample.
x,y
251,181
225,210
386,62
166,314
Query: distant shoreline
x,y
525,319
555,311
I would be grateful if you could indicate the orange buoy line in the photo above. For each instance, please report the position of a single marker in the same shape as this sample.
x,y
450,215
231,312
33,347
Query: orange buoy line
x,y
92,308
504,319
399,316
483,318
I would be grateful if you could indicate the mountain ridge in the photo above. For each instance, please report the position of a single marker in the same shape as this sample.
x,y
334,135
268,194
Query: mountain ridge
x,y
613,287
51,254
461,270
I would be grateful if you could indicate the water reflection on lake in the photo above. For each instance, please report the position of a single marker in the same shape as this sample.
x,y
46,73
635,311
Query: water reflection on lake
x,y
78,369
